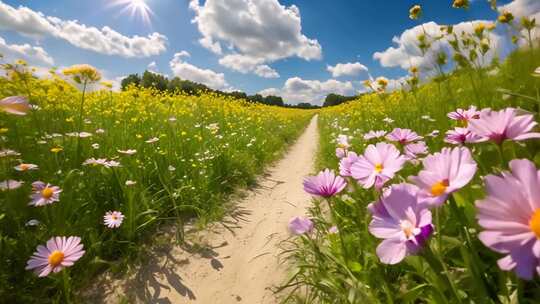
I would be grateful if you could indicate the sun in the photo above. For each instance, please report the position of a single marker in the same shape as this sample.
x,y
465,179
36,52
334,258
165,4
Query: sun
x,y
135,8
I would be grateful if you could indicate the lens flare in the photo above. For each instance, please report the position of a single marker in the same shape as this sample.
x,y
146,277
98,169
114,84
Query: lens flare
x,y
135,8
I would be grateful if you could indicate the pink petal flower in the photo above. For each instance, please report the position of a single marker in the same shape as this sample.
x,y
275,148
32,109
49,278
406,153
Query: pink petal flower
x,y
346,163
401,221
460,136
503,125
59,252
378,165
510,216
325,184
300,225
444,173
403,136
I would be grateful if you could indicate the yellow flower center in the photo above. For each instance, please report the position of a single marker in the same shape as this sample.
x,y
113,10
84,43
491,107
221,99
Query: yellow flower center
x,y
47,193
24,167
439,188
56,258
379,168
534,223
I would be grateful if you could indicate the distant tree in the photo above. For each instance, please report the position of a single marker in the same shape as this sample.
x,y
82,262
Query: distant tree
x,y
130,79
273,101
154,80
335,99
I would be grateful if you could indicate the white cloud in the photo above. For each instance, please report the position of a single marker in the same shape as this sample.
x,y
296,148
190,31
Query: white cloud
x,y
524,8
406,53
296,90
346,69
152,66
34,55
249,34
188,71
105,40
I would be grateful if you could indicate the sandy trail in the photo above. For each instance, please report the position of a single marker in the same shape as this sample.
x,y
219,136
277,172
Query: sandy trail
x,y
240,264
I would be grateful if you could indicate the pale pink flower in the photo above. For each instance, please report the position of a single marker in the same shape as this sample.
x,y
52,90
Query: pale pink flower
x,y
346,162
378,165
413,150
403,136
401,221
444,173
510,215
113,219
374,134
16,105
44,194
465,116
10,184
300,225
341,153
325,184
506,124
460,136
59,252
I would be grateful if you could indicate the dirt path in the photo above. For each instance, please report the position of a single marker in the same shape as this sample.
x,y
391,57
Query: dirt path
x,y
240,264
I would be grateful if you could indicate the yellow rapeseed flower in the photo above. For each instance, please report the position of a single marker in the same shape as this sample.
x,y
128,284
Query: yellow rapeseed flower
x,y
82,73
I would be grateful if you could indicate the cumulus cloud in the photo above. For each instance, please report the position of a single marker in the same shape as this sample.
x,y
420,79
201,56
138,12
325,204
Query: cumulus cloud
x,y
249,34
188,71
105,40
296,90
34,55
346,69
406,53
152,66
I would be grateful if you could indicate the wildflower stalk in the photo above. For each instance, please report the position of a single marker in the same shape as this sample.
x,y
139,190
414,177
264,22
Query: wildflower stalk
x,y
79,128
65,286
335,217
438,266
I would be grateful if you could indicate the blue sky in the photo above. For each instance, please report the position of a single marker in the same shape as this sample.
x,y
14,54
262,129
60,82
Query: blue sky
x,y
332,32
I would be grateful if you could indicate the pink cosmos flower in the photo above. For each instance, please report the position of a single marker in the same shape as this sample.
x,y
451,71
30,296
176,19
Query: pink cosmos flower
x,y
343,141
444,173
10,184
401,221
113,219
403,136
341,153
413,150
16,105
499,126
378,165
460,136
465,116
346,163
300,225
325,184
510,215
44,194
374,134
59,252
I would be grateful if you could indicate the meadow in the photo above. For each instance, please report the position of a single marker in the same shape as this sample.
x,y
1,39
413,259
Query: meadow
x,y
109,169
432,193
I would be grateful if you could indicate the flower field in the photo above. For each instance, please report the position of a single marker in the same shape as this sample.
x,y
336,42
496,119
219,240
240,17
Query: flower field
x,y
432,194
89,174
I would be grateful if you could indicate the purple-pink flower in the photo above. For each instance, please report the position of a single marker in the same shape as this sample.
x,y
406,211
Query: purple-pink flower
x,y
300,225
403,223
460,136
346,163
113,219
341,153
464,116
59,252
506,124
403,136
413,150
510,216
444,173
325,184
374,134
378,165
44,194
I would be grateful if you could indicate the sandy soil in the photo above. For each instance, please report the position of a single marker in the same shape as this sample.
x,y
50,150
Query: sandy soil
x,y
238,261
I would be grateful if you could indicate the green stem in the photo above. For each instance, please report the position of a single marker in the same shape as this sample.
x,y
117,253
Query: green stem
x,y
340,229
